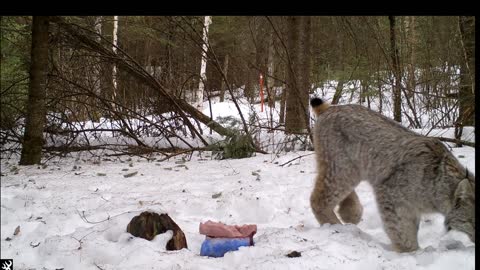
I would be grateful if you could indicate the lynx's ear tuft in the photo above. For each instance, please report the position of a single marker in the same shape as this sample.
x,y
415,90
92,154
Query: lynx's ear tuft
x,y
318,105
314,102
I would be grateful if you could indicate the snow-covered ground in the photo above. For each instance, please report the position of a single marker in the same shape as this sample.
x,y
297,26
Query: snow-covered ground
x,y
73,212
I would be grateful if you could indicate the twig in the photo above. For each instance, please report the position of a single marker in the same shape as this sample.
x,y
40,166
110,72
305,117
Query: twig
x,y
296,159
80,241
82,216
98,266
234,171
456,141
180,152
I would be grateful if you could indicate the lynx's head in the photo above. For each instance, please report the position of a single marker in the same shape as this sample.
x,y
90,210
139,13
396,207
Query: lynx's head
x,y
318,106
462,215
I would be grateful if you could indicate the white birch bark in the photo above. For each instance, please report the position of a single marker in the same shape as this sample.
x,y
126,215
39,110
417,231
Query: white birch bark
x,y
98,30
203,66
115,42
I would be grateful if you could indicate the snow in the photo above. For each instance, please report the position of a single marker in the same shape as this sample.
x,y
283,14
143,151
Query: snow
x,y
58,207
74,211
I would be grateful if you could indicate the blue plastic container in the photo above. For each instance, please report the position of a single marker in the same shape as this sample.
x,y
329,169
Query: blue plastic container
x,y
217,247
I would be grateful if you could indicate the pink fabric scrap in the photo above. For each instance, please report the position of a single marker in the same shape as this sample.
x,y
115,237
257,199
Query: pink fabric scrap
x,y
218,229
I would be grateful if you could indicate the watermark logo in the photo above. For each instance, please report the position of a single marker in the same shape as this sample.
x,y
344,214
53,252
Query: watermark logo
x,y
7,264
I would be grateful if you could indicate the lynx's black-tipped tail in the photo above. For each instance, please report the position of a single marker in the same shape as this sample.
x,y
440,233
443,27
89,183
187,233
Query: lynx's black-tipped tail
x,y
318,105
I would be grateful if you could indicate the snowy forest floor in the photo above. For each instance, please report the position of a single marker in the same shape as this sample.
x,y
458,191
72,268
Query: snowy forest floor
x,y
73,214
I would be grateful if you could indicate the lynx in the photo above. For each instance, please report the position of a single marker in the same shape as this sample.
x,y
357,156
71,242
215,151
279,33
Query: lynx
x,y
410,174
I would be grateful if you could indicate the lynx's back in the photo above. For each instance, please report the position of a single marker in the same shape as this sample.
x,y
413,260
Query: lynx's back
x,y
364,142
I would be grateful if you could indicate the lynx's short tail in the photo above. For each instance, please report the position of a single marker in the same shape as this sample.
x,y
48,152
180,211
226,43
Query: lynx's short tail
x,y
318,105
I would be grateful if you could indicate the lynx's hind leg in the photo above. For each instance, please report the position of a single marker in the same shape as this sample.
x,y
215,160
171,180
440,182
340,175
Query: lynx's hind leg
x,y
323,202
351,209
327,194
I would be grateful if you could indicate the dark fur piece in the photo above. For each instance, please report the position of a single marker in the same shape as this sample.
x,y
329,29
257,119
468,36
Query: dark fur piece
x,y
314,102
148,224
318,105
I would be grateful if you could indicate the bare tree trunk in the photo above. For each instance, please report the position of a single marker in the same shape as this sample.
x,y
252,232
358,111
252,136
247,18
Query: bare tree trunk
x,y
298,83
292,113
341,80
251,80
225,70
380,96
411,37
467,71
261,53
270,82
368,102
36,111
466,100
411,82
283,98
363,90
466,93
167,78
271,91
467,30
338,92
397,94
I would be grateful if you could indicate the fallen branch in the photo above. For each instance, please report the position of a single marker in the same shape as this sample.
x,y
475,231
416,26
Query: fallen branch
x,y
295,159
456,141
98,266
82,216
180,153
68,149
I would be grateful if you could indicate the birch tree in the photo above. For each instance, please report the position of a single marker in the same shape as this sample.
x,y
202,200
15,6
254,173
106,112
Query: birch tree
x,y
98,30
203,66
114,48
